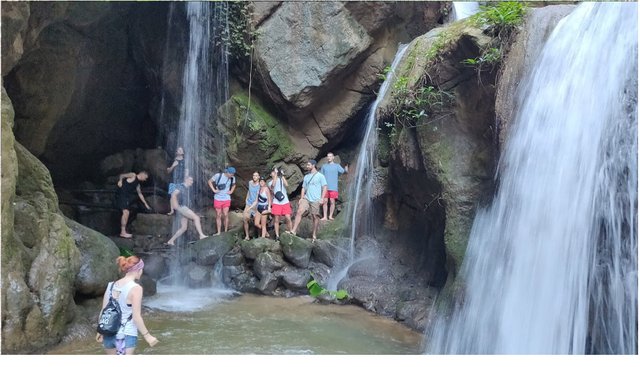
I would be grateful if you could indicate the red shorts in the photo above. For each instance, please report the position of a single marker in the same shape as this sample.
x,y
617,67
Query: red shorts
x,y
217,204
331,194
281,209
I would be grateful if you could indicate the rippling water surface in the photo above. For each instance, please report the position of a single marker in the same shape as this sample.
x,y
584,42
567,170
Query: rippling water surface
x,y
199,322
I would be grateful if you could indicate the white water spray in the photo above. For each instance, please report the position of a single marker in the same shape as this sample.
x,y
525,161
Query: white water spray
x,y
551,266
359,209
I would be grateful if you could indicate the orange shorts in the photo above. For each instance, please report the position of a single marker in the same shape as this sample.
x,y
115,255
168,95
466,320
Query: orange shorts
x,y
217,204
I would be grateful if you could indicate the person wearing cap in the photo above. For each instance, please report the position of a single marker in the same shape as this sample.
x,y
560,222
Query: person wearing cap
x,y
331,170
313,195
222,184
129,296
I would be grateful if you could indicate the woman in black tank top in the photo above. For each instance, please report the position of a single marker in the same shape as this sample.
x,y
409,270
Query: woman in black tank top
x,y
263,206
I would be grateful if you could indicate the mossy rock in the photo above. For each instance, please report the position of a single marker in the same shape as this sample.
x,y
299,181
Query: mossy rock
x,y
255,137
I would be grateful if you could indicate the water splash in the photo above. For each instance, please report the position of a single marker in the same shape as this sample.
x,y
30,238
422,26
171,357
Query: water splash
x,y
463,9
551,266
359,208
205,87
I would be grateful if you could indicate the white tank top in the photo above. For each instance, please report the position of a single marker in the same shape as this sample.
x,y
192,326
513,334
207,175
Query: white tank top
x,y
127,310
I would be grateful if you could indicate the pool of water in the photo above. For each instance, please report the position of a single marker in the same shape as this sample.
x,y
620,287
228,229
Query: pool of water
x,y
214,322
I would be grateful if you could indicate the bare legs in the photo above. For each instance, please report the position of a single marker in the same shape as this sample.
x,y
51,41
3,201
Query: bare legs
x,y
316,221
225,214
218,220
123,224
261,223
276,224
331,208
180,231
187,214
296,221
246,217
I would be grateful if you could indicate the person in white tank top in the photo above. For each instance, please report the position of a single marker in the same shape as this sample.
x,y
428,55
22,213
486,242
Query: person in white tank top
x,y
129,296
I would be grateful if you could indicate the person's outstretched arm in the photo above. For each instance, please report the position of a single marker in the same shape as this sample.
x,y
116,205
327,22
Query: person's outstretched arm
x,y
136,303
142,197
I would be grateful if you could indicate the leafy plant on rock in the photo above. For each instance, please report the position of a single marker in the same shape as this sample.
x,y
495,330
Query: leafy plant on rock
x,y
315,290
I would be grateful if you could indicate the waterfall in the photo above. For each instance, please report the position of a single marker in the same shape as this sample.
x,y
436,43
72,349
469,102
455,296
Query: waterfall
x,y
463,9
551,266
359,208
205,83
205,87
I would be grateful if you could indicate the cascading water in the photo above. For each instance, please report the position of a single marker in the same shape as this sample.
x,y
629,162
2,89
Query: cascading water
x,y
359,208
551,265
204,88
463,9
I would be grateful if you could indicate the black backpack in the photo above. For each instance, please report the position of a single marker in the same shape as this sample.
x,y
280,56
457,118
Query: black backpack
x,y
111,316
222,187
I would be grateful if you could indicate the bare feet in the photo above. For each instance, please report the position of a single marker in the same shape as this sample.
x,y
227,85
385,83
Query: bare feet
x,y
170,243
325,218
170,213
203,236
330,218
247,238
126,235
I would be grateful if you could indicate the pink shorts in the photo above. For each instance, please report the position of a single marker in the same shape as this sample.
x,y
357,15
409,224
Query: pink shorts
x,y
331,194
217,204
281,209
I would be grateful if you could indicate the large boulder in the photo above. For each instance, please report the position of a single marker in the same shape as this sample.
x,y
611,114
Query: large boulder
x,y
38,278
296,250
443,168
97,258
303,69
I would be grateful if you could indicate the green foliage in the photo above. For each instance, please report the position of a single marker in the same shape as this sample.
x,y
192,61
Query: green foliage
x,y
411,105
316,290
443,39
500,20
240,37
503,15
490,56
383,75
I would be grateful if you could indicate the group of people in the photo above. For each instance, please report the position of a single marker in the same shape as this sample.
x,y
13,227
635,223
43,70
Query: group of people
x,y
264,197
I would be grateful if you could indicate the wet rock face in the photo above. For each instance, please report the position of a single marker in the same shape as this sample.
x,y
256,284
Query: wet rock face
x,y
538,25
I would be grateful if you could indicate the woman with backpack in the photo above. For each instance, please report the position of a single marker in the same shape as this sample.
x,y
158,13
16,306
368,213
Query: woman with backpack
x,y
128,294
